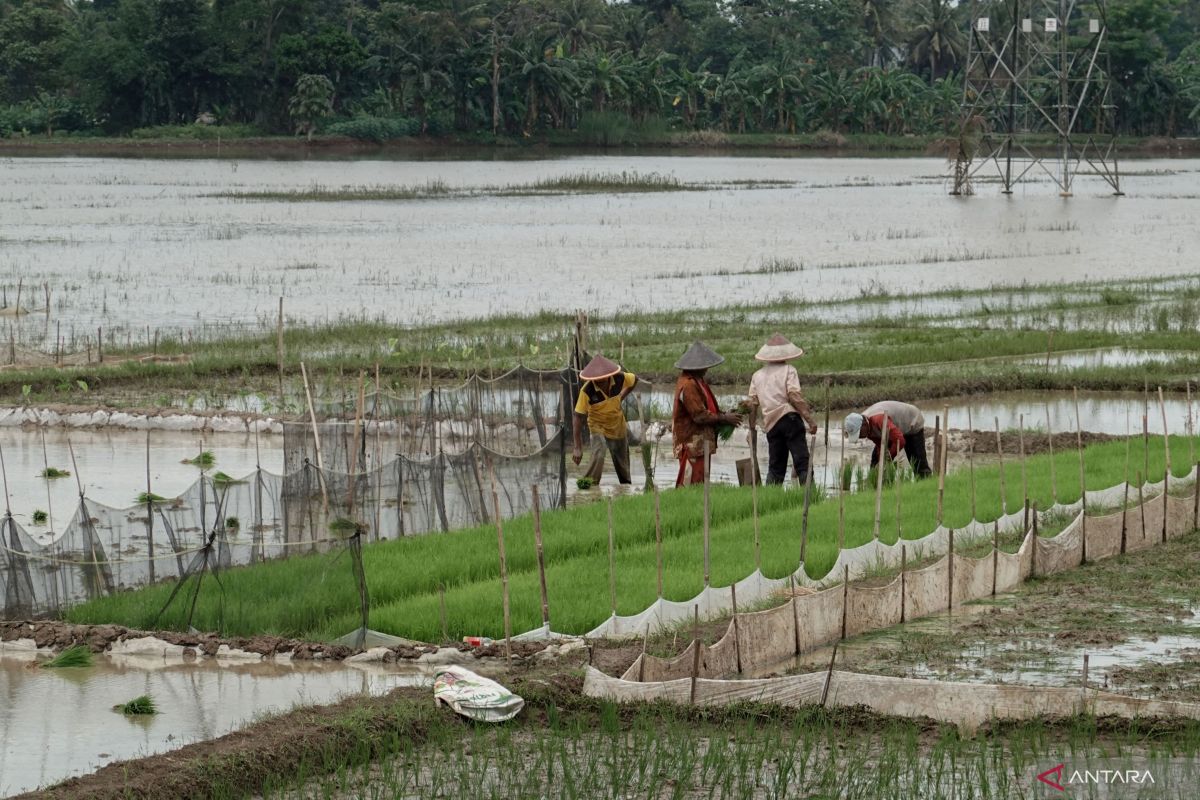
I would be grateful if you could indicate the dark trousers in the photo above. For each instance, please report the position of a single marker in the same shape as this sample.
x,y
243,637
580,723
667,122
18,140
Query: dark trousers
x,y
787,437
914,448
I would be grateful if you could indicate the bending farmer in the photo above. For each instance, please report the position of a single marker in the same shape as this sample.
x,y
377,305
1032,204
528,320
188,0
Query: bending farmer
x,y
906,430
775,388
695,416
605,387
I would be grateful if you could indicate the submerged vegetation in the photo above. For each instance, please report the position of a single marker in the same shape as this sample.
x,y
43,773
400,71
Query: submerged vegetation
x,y
138,706
53,472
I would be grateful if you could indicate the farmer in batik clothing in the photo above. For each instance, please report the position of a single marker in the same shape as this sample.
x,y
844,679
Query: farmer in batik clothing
x,y
696,416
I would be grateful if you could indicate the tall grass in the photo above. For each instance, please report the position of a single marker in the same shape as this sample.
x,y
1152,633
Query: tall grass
x,y
314,596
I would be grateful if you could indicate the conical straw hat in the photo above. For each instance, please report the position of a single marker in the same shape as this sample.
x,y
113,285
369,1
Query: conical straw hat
x,y
698,356
778,348
599,368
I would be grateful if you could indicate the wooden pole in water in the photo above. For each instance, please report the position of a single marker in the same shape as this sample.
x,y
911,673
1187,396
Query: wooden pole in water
x,y
737,643
658,541
541,558
379,459
707,469
896,485
937,442
503,569
1082,475
880,466
612,564
971,461
903,580
1146,432
753,488
996,549
1003,487
1050,442
829,675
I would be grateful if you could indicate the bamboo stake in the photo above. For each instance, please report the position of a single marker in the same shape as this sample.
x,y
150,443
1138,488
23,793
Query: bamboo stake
x,y
829,675
503,569
940,453
937,442
845,597
1021,451
658,541
612,566
896,484
879,468
1142,503
753,489
1050,442
808,478
356,441
795,614
695,650
1125,501
541,558
827,381
1033,544
707,469
737,643
442,604
1191,429
1167,463
971,461
841,542
996,549
950,576
279,353
1082,471
1146,432
149,504
312,415
1003,488
642,658
379,458
903,580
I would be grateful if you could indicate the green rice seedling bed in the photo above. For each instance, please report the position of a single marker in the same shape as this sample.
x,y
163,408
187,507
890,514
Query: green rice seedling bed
x,y
314,596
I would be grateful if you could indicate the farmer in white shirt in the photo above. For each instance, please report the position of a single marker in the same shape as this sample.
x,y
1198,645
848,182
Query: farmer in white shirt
x,y
787,418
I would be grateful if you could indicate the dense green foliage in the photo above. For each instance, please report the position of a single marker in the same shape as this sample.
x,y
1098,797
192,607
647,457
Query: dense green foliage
x,y
384,69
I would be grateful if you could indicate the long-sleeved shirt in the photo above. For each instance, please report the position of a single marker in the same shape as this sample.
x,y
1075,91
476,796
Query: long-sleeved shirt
x,y
775,388
908,418
694,417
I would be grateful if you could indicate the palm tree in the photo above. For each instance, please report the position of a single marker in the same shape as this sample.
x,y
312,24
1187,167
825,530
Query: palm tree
x,y
937,39
879,22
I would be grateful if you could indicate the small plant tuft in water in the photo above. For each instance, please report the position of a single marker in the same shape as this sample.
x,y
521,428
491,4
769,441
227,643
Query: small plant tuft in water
x,y
53,472
583,483
77,655
233,524
40,517
221,479
149,497
138,705
204,461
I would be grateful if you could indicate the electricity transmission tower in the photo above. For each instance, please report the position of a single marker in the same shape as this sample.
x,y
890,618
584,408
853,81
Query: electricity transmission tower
x,y
1036,79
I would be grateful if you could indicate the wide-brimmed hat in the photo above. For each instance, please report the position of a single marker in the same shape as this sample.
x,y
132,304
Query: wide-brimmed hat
x,y
853,426
599,368
698,356
778,348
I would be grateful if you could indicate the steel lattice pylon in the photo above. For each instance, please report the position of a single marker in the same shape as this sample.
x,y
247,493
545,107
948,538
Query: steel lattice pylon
x,y
1037,77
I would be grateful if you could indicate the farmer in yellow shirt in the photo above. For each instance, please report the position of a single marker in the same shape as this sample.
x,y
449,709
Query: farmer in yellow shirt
x,y
605,386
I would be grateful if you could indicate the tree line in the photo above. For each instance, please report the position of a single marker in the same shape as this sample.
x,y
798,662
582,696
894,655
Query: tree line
x,y
381,69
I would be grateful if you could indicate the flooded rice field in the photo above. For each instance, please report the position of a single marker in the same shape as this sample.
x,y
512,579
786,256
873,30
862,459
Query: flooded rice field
x,y
56,723
167,245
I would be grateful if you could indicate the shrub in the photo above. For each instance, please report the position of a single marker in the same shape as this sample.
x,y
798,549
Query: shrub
x,y
196,132
375,129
